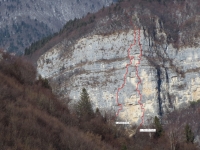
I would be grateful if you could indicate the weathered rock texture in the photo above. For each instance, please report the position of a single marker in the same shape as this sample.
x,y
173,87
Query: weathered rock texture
x,y
170,77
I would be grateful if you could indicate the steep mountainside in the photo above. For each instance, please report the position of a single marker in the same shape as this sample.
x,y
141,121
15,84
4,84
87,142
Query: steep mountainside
x,y
22,23
163,38
32,118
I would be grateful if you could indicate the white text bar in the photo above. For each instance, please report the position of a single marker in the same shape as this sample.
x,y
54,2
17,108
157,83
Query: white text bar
x,y
147,130
122,123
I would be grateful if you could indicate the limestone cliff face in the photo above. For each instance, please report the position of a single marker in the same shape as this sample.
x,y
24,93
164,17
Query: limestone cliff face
x,y
170,77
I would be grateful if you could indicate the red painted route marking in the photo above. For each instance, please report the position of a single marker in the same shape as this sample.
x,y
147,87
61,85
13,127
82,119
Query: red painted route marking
x,y
139,82
127,65
125,75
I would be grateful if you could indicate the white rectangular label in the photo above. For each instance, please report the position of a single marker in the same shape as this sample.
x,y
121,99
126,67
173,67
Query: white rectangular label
x,y
147,130
122,123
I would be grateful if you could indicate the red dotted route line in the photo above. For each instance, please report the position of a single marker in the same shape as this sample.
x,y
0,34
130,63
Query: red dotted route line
x,y
125,75
139,82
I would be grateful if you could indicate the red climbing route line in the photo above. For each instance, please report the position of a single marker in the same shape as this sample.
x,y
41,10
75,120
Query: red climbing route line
x,y
125,75
139,82
127,65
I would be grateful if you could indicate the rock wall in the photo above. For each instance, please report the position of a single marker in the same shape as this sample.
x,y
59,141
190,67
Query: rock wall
x,y
170,77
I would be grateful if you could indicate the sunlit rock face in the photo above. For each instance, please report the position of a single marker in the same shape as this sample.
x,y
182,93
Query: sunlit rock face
x,y
170,78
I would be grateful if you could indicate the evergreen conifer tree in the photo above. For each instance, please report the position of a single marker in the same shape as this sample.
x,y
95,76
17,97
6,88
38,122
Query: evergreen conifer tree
x,y
158,127
84,106
189,134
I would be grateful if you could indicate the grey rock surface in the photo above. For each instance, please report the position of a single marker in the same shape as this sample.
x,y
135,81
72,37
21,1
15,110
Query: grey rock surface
x,y
170,77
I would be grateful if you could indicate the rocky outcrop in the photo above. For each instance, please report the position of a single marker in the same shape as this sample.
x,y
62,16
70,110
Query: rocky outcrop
x,y
170,77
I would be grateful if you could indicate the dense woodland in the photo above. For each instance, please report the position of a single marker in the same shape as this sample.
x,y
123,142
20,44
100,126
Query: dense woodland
x,y
32,117
16,36
38,19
